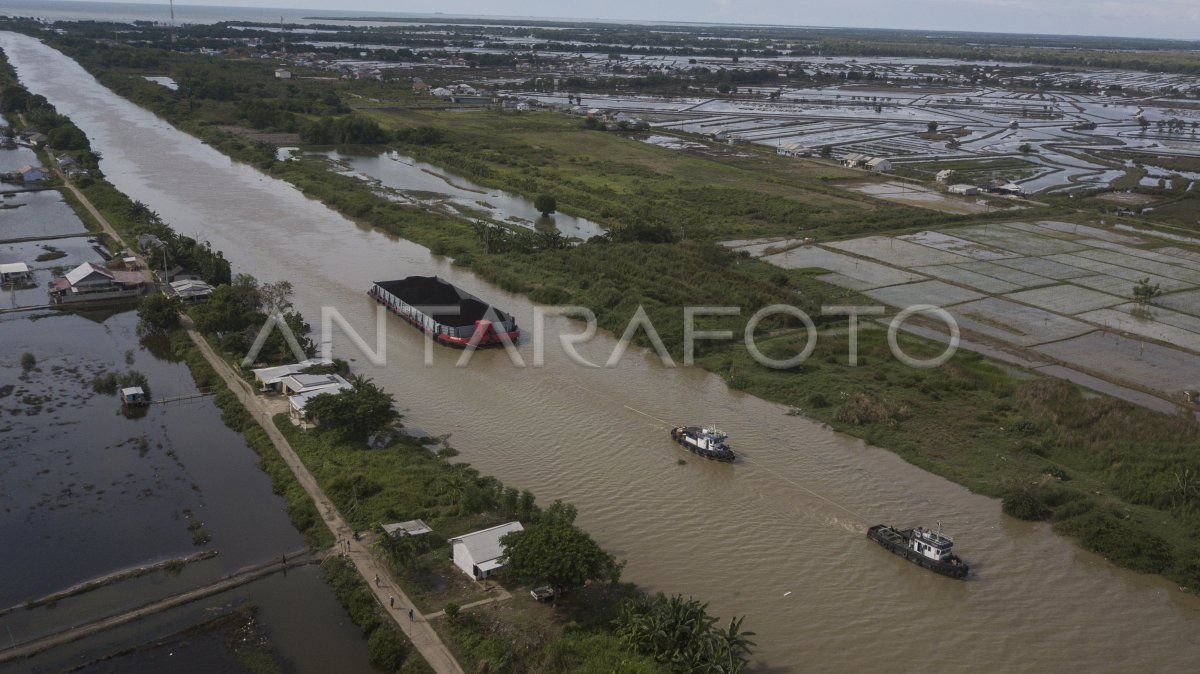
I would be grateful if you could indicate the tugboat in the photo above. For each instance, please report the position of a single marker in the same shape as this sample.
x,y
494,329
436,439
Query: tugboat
x,y
707,442
930,549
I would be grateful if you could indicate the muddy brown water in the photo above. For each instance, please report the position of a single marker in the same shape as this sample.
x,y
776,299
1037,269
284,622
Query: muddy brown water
x,y
779,536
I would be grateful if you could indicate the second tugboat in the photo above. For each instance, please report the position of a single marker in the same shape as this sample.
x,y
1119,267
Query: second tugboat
x,y
707,442
930,549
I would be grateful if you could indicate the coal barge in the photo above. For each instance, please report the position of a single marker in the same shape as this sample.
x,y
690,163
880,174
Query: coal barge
x,y
451,315
930,549
707,442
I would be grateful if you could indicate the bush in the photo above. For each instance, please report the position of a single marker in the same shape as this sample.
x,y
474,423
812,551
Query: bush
x,y
550,295
860,409
105,383
386,648
1023,504
28,361
157,314
818,400
1115,537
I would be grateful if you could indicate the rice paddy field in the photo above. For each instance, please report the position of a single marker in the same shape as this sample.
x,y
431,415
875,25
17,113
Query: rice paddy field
x,y
1059,290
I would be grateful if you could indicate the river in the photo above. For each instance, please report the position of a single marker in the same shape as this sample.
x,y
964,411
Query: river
x,y
778,537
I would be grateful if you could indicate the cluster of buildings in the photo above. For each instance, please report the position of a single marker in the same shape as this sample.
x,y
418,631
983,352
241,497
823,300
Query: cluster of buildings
x,y
794,150
477,554
967,189
32,137
298,385
865,161
69,167
94,282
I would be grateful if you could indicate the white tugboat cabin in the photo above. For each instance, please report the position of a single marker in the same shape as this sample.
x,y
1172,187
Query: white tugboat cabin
x,y
934,545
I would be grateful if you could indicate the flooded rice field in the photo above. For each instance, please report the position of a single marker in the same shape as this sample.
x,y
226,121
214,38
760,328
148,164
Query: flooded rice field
x,y
978,124
88,490
1046,285
779,536
33,215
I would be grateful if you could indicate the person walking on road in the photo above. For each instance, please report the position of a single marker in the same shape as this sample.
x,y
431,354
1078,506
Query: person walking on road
x,y
392,602
410,615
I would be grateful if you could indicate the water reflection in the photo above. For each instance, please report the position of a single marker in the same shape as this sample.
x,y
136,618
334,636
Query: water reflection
x,y
407,179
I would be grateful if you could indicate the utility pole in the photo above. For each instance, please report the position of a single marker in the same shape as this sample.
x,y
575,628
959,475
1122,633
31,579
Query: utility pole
x,y
173,22
282,36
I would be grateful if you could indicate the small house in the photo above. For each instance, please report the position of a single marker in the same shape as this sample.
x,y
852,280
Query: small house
x,y
33,174
14,272
269,378
879,164
855,160
93,282
943,176
134,396
478,554
296,384
189,291
793,150
283,74
302,388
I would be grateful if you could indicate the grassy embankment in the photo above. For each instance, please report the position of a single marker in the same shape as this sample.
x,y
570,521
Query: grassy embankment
x,y
387,646
1033,442
407,481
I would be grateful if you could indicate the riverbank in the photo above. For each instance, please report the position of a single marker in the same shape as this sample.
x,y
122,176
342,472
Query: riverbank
x,y
923,416
133,219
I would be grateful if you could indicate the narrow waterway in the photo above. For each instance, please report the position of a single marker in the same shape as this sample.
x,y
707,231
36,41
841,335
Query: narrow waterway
x,y
778,537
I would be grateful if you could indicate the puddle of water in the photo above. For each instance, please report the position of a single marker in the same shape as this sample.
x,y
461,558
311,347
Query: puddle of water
x,y
432,185
165,81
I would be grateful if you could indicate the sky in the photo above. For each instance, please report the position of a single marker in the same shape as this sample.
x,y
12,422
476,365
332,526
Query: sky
x,y
1129,18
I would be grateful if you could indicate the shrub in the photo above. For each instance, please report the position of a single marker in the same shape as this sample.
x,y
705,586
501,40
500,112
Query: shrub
x,y
1023,504
105,383
818,400
28,361
860,409
157,313
386,648
1112,535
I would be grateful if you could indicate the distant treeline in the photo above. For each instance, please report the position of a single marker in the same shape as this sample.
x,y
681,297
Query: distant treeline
x,y
413,41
